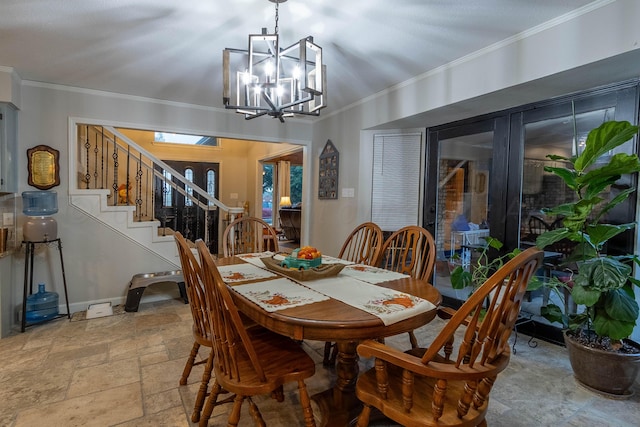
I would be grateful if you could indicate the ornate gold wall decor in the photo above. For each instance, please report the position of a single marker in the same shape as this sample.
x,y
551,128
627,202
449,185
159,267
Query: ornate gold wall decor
x,y
43,167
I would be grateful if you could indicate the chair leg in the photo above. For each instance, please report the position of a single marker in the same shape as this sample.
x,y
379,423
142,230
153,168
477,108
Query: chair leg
x,y
255,414
234,415
307,412
202,392
413,340
211,402
190,362
363,418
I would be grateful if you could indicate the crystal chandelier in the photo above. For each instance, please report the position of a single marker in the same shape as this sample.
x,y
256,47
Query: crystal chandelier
x,y
270,80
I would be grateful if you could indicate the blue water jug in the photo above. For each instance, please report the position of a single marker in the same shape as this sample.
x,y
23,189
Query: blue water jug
x,y
42,305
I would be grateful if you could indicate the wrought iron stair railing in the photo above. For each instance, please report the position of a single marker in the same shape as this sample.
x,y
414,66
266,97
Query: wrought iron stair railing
x,y
110,160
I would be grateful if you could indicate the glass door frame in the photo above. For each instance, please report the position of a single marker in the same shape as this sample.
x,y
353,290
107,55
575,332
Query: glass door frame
x,y
625,102
507,167
497,199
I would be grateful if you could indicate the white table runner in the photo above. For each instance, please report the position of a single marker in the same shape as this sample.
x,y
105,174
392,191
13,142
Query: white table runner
x,y
389,305
355,286
326,259
373,275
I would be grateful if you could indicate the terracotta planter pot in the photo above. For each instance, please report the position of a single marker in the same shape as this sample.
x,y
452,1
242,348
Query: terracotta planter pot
x,y
608,373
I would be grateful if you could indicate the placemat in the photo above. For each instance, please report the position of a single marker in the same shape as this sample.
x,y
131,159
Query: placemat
x,y
243,272
254,258
279,294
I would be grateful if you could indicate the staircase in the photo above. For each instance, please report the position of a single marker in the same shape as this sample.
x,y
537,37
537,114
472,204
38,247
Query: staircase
x,y
122,185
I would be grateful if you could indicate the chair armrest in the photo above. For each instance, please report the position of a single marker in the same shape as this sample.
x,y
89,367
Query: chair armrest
x,y
433,369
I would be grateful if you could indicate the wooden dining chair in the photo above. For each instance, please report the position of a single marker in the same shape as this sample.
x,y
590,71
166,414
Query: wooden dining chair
x,y
252,361
410,250
427,387
249,235
362,246
201,328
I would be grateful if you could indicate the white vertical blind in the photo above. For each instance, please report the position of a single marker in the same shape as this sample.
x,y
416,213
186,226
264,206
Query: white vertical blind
x,y
395,199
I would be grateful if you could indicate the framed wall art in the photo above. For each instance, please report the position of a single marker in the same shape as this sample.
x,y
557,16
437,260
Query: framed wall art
x,y
43,166
328,179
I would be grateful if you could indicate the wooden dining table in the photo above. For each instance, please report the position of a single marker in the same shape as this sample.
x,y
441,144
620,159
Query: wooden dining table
x,y
336,321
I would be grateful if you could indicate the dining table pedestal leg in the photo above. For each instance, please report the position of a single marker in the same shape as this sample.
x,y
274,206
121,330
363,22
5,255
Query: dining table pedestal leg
x,y
339,405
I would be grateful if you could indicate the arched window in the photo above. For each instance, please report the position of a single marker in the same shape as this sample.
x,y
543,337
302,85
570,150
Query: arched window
x,y
211,184
188,173
167,190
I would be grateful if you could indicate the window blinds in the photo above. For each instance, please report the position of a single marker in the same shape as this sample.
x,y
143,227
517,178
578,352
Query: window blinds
x,y
395,199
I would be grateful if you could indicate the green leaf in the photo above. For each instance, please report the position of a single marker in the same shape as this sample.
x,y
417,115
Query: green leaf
x,y
620,197
582,295
577,320
619,305
552,313
550,237
568,176
557,157
565,210
493,242
605,326
598,179
600,233
605,273
460,278
604,138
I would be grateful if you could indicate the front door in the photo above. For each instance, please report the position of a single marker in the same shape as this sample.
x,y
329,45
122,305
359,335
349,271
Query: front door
x,y
180,211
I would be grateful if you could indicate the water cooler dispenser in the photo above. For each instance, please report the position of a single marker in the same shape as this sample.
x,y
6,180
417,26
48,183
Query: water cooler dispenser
x,y
39,206
40,229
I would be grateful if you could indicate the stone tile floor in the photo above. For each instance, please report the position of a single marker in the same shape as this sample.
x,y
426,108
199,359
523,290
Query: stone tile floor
x,y
123,371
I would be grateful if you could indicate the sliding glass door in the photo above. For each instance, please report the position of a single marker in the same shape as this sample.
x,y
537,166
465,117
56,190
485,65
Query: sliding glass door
x,y
461,192
485,177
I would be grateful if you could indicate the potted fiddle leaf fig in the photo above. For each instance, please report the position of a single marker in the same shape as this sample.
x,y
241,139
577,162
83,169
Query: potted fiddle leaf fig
x,y
602,285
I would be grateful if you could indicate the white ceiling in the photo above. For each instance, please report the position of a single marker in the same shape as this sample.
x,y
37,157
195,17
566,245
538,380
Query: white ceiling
x,y
172,49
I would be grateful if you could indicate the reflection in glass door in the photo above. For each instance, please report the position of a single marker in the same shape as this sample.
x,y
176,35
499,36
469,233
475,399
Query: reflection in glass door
x,y
463,204
562,136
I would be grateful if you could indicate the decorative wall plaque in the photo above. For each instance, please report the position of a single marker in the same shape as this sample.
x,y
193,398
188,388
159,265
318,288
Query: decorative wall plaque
x,y
328,180
43,167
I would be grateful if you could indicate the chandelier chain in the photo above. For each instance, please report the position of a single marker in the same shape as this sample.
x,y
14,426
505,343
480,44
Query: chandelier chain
x,y
277,16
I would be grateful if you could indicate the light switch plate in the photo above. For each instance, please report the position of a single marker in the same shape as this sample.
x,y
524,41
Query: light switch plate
x,y
234,196
348,192
7,218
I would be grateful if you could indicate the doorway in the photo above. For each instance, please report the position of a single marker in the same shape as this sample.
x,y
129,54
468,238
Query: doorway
x,y
177,210
282,177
